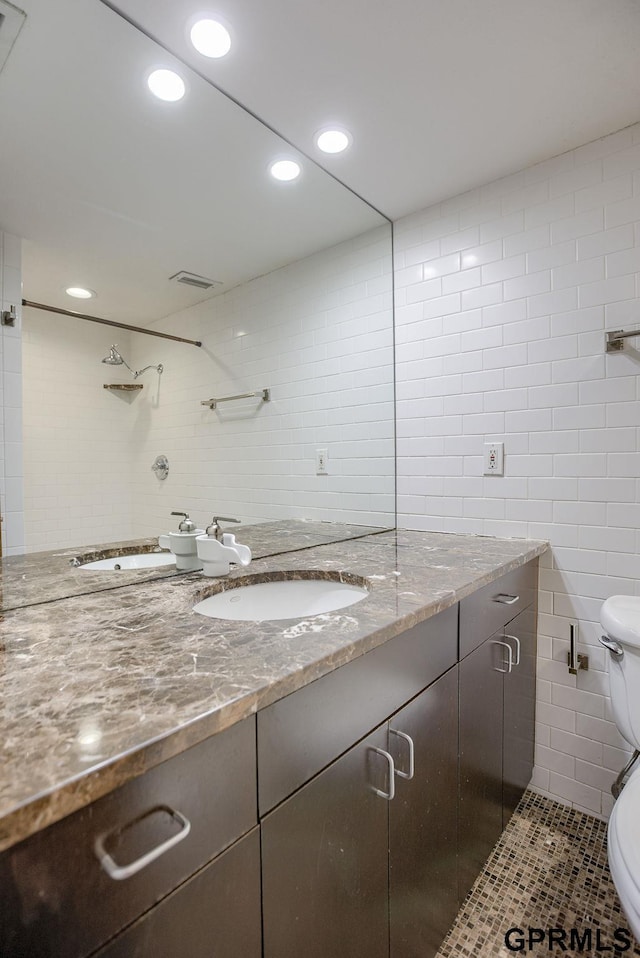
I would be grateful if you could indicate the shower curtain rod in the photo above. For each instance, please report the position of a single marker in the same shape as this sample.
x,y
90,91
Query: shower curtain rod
x,y
109,322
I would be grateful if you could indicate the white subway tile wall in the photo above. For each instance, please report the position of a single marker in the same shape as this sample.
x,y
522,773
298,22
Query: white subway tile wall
x,y
11,463
77,435
319,334
502,301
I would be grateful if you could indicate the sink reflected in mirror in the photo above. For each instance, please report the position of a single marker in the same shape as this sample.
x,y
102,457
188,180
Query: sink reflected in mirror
x,y
148,560
281,599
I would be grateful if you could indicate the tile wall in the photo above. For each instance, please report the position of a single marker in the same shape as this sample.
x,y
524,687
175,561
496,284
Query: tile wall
x,y
503,295
11,464
318,334
78,435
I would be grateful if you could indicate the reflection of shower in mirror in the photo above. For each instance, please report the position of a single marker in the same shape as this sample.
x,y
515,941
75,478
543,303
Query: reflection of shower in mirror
x,y
115,359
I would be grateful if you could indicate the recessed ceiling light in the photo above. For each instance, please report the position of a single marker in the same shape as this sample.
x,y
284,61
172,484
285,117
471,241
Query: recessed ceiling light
x,y
166,85
285,170
210,38
333,141
80,292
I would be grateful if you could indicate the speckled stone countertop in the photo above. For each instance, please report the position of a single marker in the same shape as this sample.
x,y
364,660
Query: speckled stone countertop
x,y
97,688
55,574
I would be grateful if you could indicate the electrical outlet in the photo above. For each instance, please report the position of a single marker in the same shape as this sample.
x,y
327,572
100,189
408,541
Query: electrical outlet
x,y
494,459
322,458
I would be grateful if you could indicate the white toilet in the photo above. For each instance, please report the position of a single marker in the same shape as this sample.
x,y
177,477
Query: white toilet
x,y
620,619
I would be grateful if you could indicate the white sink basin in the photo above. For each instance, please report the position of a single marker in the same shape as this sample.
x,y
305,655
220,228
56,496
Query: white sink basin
x,y
285,599
142,560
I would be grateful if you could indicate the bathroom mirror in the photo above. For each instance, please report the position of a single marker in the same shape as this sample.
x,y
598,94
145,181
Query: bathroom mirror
x,y
114,190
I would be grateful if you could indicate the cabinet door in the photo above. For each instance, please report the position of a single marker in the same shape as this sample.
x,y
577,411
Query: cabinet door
x,y
325,862
216,914
519,711
481,723
423,892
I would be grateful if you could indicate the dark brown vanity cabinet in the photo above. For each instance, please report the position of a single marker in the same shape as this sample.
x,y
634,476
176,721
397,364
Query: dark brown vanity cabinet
x,y
519,714
72,887
325,862
497,712
361,860
423,821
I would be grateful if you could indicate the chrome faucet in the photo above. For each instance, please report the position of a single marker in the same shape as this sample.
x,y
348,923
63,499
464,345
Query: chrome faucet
x,y
186,524
214,531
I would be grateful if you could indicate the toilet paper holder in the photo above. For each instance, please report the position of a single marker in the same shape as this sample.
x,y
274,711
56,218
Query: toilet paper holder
x,y
575,660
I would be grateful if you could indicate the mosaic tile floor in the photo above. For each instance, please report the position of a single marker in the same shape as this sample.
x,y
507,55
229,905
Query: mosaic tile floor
x,y
549,870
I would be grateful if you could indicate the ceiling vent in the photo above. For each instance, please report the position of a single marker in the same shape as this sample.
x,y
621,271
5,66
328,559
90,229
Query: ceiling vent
x,y
192,279
11,20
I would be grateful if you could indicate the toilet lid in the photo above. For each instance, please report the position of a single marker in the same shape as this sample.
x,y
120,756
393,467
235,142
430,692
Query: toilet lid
x,y
620,618
625,821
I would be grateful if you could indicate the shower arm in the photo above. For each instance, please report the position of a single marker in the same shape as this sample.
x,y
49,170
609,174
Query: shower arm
x,y
159,368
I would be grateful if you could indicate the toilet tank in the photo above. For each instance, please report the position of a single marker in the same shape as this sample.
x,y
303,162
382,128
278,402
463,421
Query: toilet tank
x,y
620,619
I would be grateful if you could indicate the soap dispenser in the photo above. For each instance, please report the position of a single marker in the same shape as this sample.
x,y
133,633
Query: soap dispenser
x,y
183,543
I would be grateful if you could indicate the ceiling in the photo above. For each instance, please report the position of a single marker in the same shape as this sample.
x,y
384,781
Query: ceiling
x,y
440,95
116,192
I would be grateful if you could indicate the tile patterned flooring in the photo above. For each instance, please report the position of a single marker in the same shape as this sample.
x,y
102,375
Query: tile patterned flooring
x,y
549,870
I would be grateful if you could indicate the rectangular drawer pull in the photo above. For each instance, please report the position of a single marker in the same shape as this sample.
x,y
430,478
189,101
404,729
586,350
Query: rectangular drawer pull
x,y
119,872
514,638
506,599
509,658
390,795
407,738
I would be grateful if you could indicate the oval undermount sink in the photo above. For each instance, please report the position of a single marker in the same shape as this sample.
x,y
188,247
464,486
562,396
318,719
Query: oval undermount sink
x,y
142,560
283,599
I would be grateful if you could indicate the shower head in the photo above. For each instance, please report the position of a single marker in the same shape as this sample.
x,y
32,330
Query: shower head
x,y
114,358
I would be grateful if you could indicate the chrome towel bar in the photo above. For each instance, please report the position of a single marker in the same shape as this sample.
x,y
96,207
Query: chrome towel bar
x,y
263,394
615,338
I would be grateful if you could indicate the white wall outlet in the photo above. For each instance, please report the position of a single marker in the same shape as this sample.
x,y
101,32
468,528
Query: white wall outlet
x,y
322,459
494,459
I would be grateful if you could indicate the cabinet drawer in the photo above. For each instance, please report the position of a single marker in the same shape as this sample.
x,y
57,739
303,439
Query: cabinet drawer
x,y
55,896
221,903
302,733
484,612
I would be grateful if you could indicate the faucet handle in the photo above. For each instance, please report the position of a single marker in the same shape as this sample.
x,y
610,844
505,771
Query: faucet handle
x,y
214,529
187,524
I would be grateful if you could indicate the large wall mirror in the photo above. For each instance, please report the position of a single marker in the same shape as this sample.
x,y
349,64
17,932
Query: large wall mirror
x,y
112,189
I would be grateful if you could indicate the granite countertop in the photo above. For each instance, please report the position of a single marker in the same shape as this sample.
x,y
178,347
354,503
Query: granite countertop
x,y
56,574
99,687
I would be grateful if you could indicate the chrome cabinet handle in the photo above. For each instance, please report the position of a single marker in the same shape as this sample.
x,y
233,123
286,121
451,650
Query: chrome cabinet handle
x,y
407,738
509,657
614,647
505,598
392,781
514,638
119,872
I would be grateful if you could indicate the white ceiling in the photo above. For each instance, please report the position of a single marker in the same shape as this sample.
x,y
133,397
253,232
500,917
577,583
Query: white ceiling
x,y
114,191
440,95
